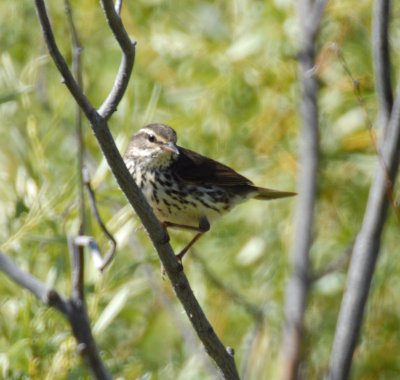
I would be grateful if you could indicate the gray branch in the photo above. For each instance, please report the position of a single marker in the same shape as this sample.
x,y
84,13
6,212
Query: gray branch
x,y
73,309
366,250
40,290
381,59
128,57
310,14
158,236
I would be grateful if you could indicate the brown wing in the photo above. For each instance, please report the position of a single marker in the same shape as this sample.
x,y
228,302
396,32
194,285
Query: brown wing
x,y
197,169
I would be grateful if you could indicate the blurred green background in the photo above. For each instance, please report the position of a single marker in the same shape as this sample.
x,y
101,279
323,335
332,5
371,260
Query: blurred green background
x,y
223,74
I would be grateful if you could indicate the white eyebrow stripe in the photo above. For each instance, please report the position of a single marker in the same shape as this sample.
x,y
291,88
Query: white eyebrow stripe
x,y
149,132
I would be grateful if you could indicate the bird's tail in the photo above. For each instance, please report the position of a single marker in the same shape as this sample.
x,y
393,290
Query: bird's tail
x,y
267,194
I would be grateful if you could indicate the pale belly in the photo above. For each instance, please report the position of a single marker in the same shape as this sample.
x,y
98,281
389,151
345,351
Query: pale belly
x,y
186,207
181,203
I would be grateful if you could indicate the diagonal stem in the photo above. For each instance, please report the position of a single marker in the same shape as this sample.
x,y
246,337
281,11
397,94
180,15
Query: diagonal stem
x,y
381,60
365,251
109,106
214,347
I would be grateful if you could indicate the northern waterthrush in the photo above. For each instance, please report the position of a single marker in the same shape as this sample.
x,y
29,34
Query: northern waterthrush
x,y
185,189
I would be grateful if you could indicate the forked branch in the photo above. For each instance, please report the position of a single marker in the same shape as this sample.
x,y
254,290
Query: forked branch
x,y
73,309
98,122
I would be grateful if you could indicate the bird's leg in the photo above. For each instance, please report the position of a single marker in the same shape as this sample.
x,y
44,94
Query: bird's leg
x,y
204,226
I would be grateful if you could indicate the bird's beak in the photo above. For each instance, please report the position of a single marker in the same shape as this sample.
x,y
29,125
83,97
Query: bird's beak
x,y
170,147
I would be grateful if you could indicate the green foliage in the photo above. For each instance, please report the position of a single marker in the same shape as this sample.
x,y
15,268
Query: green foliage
x,y
224,75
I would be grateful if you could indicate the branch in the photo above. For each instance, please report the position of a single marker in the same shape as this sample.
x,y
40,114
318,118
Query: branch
x,y
118,7
310,12
366,250
128,57
102,263
39,289
79,319
360,100
73,310
78,276
310,15
381,59
77,68
159,237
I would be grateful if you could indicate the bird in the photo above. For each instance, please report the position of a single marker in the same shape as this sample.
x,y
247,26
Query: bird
x,y
185,189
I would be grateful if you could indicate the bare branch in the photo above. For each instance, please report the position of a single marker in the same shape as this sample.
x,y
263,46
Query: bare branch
x,y
86,344
381,59
357,91
310,14
76,46
365,252
77,270
92,201
77,69
159,237
73,310
38,288
128,57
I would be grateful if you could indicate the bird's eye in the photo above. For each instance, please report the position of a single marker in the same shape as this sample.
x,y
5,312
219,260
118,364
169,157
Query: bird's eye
x,y
152,138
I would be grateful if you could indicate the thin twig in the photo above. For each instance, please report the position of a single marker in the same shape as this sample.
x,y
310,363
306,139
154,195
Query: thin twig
x,y
93,205
77,69
370,126
79,319
128,57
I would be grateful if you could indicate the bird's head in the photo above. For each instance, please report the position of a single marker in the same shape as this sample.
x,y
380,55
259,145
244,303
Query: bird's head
x,y
154,145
